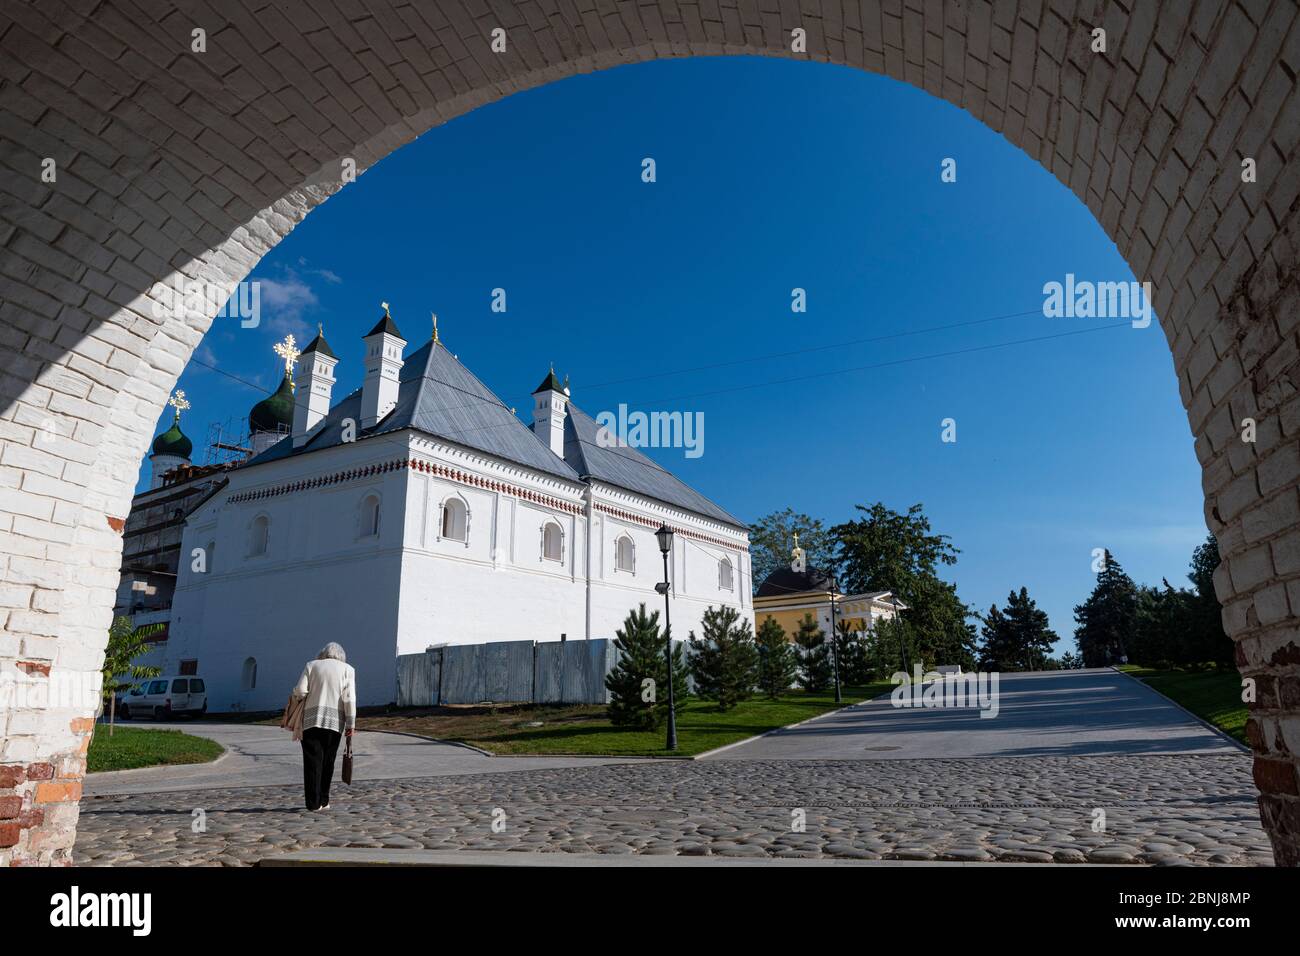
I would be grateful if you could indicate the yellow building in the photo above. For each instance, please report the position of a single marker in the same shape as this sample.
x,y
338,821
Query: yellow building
x,y
787,594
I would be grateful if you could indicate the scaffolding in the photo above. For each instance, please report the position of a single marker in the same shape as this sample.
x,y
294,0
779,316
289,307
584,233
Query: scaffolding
x,y
230,442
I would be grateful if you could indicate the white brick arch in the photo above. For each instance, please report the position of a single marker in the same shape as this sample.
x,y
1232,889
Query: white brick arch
x,y
174,163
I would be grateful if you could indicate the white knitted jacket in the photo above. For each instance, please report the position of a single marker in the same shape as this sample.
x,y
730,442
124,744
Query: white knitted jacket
x,y
330,689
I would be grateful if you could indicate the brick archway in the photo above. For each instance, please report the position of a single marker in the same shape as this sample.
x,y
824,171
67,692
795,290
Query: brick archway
x,y
173,163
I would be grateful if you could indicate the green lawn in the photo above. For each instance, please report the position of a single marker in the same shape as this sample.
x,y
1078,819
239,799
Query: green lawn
x,y
1214,696
587,731
131,747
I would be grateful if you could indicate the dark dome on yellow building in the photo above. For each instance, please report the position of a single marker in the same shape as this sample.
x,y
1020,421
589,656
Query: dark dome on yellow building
x,y
789,581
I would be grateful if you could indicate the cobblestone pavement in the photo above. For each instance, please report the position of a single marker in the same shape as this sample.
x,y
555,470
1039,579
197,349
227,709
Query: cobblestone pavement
x,y
1158,809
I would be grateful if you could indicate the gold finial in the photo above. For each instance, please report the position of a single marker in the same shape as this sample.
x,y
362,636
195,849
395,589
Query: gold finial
x,y
178,402
288,350
385,305
320,329
435,326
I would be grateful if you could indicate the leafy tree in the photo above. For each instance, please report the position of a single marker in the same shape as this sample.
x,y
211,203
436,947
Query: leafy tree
x,y
776,659
941,631
1107,621
638,682
815,672
771,539
125,644
851,651
892,648
724,662
887,551
1018,638
1071,662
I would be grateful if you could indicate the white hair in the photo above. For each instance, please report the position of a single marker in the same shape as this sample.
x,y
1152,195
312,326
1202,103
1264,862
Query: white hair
x,y
332,651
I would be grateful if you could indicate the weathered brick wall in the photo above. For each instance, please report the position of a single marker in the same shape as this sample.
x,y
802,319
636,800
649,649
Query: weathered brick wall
x,y
171,162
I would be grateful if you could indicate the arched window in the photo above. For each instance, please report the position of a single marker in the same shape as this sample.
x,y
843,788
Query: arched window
x,y
724,575
369,517
259,536
552,542
455,520
625,555
249,679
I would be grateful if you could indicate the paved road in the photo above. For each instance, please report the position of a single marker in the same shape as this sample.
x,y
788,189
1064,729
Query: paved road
x,y
260,756
1053,713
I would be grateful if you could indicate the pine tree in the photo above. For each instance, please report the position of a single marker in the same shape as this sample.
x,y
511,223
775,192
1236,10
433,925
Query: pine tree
x,y
724,662
1107,621
637,684
851,651
815,668
1017,639
777,663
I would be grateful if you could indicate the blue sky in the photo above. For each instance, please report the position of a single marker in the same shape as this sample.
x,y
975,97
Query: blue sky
x,y
771,175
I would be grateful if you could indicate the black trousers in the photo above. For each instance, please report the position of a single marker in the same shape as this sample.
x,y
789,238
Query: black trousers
x,y
319,747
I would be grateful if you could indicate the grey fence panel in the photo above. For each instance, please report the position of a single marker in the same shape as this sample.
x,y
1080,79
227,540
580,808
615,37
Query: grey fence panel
x,y
507,671
547,672
462,674
573,672
417,678
555,672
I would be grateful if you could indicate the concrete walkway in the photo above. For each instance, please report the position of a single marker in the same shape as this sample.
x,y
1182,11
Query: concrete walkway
x,y
264,756
1050,713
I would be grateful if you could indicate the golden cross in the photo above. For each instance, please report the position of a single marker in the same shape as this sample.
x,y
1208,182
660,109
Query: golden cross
x,y
435,325
288,351
178,402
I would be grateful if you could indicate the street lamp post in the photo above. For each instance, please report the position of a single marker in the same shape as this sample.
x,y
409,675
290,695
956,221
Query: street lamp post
x,y
665,536
835,645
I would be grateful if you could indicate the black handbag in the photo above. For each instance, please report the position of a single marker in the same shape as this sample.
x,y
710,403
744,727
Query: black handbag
x,y
347,760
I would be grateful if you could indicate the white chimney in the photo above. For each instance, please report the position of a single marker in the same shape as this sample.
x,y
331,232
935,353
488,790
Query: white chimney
x,y
311,399
384,346
550,405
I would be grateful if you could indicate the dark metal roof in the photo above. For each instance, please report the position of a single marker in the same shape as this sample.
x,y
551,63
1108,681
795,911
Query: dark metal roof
x,y
437,395
626,467
785,581
440,397
386,324
318,344
550,383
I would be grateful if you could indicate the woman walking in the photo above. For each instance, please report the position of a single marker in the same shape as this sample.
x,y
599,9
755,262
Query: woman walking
x,y
328,689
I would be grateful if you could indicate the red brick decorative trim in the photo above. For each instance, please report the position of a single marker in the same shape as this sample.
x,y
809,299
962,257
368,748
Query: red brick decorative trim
x,y
649,523
425,467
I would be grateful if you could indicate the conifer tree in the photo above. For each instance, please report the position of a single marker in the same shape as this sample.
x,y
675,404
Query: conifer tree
x,y
851,651
1107,621
1017,638
637,683
724,662
777,663
814,655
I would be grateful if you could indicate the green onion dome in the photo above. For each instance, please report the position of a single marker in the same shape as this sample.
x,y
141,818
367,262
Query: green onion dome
x,y
173,441
274,410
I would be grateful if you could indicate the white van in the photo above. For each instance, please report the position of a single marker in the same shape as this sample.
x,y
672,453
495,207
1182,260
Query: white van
x,y
164,697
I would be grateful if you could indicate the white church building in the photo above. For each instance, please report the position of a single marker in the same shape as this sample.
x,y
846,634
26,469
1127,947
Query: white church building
x,y
418,511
